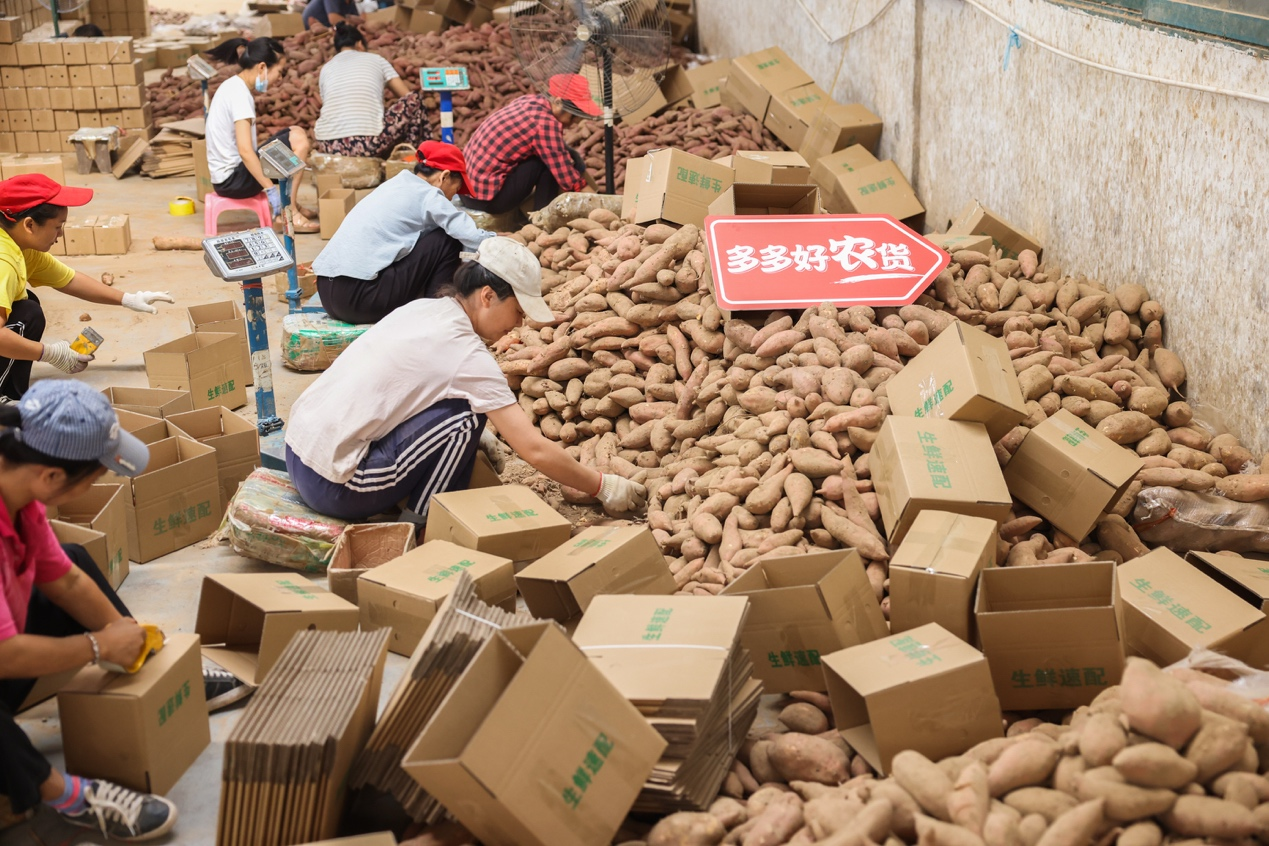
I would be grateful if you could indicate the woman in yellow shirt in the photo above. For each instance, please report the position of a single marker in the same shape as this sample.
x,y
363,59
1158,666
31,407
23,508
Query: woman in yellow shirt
x,y
32,214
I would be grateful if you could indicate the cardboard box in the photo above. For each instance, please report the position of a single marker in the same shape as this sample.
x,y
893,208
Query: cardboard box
x,y
1171,608
790,113
84,98
765,168
236,441
602,559
78,236
838,126
1051,634
34,77
283,24
247,619
483,474
103,508
881,189
175,502
976,219
202,171
419,20
534,746
93,542
405,593
943,465
924,689
153,402
28,53
333,207
28,142
14,79
103,75
207,364
1069,472
113,235
360,548
43,123
107,96
963,374
80,76
40,101
455,10
511,521
63,100
11,29
131,74
802,609
144,730
306,281
20,120
673,185
74,51
147,429
767,199
934,572
1247,577
58,76
133,97
96,51
754,79
225,316
954,243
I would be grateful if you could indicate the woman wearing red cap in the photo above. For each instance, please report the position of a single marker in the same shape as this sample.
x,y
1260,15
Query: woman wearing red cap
x,y
401,243
32,213
353,120
519,151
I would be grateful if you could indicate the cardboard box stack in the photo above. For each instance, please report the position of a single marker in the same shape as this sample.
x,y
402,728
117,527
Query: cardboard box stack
x,y
236,441
438,15
680,661
121,17
95,235
103,508
53,88
300,731
461,626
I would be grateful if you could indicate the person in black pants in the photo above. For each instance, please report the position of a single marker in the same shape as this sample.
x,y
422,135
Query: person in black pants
x,y
57,611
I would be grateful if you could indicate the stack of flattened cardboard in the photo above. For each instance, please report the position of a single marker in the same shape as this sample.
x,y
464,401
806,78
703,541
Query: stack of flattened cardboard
x,y
679,660
456,634
287,760
171,152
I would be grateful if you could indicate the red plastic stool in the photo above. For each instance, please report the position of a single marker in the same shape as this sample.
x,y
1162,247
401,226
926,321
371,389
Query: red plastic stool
x,y
214,205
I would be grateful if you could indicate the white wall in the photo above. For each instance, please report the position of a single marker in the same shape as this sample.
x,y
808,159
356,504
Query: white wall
x,y
1122,180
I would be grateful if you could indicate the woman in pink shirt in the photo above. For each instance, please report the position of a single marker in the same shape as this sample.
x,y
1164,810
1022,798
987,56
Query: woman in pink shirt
x,y
57,611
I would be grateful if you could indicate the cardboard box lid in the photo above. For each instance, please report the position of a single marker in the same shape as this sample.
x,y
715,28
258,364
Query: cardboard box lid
x,y
688,652
99,682
1161,584
945,544
1247,577
424,570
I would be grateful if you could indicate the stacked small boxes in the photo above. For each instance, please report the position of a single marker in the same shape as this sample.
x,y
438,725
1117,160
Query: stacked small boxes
x,y
53,88
121,17
21,16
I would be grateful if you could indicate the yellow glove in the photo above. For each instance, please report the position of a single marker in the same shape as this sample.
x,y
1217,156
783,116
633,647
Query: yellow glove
x,y
154,642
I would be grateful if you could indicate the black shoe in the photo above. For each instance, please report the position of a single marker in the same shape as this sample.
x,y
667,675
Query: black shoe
x,y
223,688
123,814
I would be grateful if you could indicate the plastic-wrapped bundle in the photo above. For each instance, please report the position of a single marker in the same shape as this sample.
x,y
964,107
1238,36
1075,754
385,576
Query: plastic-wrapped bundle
x,y
267,520
313,341
1188,520
354,171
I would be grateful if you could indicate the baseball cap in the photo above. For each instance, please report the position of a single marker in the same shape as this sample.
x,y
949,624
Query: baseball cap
x,y
31,189
512,262
575,89
442,156
69,420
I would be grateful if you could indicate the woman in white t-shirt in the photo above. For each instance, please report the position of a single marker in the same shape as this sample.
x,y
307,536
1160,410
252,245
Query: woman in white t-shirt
x,y
353,121
401,412
234,167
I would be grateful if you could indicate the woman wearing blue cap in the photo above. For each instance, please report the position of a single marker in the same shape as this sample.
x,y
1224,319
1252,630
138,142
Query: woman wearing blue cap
x,y
57,611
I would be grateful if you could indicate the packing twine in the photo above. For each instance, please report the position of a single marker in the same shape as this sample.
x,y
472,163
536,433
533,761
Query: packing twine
x,y
1013,42
730,671
491,624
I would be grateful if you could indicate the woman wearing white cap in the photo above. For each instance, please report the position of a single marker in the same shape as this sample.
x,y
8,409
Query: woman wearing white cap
x,y
400,413
57,611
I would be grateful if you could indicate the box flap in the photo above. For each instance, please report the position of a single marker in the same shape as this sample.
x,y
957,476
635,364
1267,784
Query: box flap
x,y
946,544
429,571
1247,577
903,658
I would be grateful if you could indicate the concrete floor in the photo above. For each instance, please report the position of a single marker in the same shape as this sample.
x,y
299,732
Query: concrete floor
x,y
165,591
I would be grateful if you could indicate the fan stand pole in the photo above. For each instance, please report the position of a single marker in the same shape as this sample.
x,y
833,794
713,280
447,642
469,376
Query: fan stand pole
x,y
610,182
57,29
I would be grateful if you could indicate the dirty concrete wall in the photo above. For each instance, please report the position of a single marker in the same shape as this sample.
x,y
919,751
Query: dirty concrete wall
x,y
1121,179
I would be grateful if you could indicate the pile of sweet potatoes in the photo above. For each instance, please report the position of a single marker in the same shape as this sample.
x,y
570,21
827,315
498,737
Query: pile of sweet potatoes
x,y
1172,755
754,442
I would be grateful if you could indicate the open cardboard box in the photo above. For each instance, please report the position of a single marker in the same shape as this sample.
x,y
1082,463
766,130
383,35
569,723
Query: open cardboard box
x,y
175,502
102,509
1051,634
362,547
977,219
804,608
235,439
225,316
153,402
935,571
207,364
760,167
247,619
674,186
767,199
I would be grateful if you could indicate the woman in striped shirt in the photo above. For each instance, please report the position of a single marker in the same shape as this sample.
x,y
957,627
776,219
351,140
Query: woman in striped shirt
x,y
353,120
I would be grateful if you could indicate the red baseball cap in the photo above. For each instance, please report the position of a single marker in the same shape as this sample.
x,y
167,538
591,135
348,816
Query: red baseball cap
x,y
31,189
574,88
442,156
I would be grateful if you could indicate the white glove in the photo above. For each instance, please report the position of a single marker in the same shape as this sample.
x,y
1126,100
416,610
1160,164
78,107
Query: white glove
x,y
619,495
274,193
60,355
141,300
493,450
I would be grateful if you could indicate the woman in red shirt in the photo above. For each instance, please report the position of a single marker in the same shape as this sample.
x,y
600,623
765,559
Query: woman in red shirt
x,y
57,611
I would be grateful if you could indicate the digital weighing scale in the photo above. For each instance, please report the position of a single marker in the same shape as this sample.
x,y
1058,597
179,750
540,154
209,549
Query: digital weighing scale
x,y
444,81
246,257
280,163
199,68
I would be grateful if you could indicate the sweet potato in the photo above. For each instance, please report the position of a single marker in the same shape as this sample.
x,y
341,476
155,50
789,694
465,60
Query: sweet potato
x,y
1126,427
931,832
1252,487
1124,802
1154,765
808,758
1074,828
924,781
969,802
804,718
687,828
1217,746
1207,816
1025,763
1158,705
1140,834
1049,804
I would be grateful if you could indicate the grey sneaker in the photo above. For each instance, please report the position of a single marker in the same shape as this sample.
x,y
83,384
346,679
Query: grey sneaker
x,y
123,814
223,688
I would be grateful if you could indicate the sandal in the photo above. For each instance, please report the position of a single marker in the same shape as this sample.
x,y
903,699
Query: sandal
x,y
301,224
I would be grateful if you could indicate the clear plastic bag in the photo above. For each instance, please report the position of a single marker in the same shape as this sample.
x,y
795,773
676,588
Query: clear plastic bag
x,y
1187,520
312,342
354,171
1247,681
267,520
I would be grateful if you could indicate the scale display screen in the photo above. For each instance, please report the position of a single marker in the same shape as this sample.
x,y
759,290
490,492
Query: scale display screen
x,y
444,79
246,255
279,161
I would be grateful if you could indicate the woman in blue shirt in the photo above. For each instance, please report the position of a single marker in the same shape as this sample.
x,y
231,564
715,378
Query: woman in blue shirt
x,y
321,15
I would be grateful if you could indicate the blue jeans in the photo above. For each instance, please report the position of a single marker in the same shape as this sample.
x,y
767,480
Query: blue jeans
x,y
432,452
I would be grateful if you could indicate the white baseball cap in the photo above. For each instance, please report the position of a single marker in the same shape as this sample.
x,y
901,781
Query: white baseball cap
x,y
513,263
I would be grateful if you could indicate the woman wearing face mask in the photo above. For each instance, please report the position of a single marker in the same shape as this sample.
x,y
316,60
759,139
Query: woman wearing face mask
x,y
401,412
401,243
235,168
